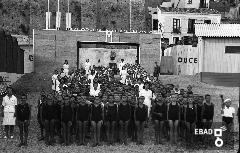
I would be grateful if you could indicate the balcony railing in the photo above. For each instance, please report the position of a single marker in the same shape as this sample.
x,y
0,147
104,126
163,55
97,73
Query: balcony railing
x,y
177,30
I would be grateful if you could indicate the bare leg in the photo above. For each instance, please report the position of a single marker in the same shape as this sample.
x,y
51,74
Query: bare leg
x,y
94,126
156,127
176,131
171,131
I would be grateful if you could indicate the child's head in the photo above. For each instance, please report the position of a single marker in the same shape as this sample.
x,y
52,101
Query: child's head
x,y
228,102
174,98
66,100
117,97
189,88
207,98
104,97
146,85
200,100
97,100
124,98
190,101
110,99
23,98
141,99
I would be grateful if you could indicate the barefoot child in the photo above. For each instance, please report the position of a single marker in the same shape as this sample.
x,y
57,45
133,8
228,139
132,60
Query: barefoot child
x,y
96,120
111,118
173,118
23,114
41,102
83,112
124,112
159,115
67,118
191,118
141,114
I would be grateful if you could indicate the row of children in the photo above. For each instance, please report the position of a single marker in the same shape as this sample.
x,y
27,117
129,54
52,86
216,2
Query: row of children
x,y
125,113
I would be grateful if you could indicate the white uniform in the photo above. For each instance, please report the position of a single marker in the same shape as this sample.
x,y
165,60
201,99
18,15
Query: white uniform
x,y
148,94
9,104
123,74
94,93
65,69
87,67
54,80
121,64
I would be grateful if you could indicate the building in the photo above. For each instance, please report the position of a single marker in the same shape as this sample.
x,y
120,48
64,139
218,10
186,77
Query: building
x,y
186,4
219,53
179,22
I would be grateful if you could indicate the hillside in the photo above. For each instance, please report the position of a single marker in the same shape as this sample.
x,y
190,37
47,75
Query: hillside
x,y
21,16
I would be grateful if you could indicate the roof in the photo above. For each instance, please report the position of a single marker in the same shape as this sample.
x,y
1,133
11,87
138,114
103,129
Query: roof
x,y
189,10
217,30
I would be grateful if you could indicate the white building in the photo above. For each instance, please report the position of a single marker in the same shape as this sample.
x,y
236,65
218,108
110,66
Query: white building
x,y
186,4
179,22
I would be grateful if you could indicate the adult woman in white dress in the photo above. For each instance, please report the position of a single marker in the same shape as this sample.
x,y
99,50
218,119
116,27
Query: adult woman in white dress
x,y
123,74
55,81
66,68
9,103
87,67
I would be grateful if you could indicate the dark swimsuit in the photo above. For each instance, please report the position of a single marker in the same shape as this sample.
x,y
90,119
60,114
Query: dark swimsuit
x,y
124,112
190,114
208,112
96,113
160,109
141,113
67,114
173,112
111,113
83,112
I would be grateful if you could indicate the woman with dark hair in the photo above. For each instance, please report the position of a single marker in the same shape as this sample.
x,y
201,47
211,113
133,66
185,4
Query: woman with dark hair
x,y
66,68
9,103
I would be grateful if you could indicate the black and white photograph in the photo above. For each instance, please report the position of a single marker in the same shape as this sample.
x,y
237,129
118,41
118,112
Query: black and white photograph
x,y
119,76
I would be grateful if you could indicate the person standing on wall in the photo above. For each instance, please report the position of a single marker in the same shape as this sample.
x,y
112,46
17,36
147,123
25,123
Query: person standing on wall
x,y
66,68
87,67
121,64
156,71
9,103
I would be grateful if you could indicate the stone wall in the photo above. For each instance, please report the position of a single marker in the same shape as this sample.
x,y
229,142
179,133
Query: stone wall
x,y
51,48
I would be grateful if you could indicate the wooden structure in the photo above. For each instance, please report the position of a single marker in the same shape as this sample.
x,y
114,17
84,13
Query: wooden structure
x,y
219,53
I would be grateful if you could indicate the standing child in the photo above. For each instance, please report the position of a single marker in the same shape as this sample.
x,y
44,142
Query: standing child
x,y
173,118
111,118
41,102
83,111
141,114
159,115
23,114
67,118
48,113
96,120
208,112
227,116
191,118
66,68
124,112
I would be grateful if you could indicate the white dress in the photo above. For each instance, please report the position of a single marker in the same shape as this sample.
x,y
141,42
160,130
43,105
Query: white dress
x,y
87,67
123,74
121,65
54,80
65,69
9,104
148,94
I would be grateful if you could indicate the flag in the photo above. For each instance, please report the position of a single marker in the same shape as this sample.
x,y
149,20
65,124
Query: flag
x,y
160,21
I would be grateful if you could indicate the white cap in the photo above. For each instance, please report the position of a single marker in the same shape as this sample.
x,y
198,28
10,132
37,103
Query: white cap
x,y
227,100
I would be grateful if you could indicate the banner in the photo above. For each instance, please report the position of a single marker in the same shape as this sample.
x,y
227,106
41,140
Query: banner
x,y
58,20
48,20
68,21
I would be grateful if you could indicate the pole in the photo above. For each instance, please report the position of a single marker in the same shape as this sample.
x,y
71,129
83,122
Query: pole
x,y
48,6
130,15
58,5
68,6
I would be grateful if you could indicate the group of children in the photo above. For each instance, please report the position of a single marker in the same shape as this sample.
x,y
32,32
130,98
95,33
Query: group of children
x,y
114,110
100,107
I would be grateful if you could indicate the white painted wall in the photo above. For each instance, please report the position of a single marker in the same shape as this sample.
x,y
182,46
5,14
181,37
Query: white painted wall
x,y
184,17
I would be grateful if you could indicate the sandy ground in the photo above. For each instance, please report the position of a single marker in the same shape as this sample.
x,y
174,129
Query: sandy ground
x,y
33,84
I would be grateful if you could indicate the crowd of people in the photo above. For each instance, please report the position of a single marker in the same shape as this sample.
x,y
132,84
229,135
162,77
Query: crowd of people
x,y
94,102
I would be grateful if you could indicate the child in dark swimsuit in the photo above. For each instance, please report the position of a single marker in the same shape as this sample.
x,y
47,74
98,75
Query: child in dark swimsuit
x,y
173,118
82,116
141,115
41,102
48,113
111,118
208,112
159,115
124,112
96,120
191,118
67,118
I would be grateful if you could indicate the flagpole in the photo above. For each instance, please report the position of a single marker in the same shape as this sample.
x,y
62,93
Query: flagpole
x,y
68,6
130,15
58,5
48,5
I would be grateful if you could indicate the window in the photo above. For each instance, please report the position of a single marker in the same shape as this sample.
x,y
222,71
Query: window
x,y
155,24
175,40
191,27
207,21
176,26
232,49
189,2
203,3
